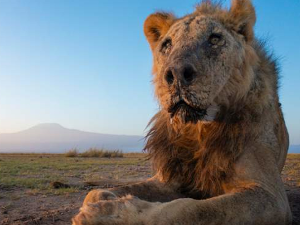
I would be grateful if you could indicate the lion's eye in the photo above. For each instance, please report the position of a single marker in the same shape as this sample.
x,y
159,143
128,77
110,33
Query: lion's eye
x,y
166,46
216,40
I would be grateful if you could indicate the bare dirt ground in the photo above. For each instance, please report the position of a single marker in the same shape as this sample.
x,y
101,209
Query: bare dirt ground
x,y
27,197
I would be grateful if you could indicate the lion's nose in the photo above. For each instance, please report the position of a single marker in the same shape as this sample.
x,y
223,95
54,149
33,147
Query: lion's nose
x,y
184,74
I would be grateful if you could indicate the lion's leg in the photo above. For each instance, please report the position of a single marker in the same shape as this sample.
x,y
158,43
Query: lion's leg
x,y
151,190
252,207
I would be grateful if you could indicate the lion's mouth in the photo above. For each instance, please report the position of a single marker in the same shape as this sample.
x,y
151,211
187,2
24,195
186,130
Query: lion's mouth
x,y
186,112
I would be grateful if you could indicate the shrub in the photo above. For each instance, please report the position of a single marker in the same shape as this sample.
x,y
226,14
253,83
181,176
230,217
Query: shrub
x,y
106,154
92,152
100,153
72,153
117,154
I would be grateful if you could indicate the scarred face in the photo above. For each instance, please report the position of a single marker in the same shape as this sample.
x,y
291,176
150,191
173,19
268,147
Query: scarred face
x,y
197,60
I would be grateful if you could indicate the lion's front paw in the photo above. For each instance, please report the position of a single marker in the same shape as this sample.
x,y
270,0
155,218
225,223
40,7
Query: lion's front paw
x,y
98,195
122,211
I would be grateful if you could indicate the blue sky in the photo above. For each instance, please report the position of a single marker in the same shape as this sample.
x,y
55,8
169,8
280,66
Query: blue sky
x,y
87,65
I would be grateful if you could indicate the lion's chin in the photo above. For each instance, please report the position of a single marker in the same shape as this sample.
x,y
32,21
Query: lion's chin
x,y
187,114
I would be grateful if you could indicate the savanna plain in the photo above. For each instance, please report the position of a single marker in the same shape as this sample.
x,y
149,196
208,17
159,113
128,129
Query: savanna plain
x,y
44,189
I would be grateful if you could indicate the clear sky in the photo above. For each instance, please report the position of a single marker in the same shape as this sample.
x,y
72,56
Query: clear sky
x,y
87,65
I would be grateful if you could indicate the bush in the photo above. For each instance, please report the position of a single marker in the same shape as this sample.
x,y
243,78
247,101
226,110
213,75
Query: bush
x,y
72,153
100,153
92,152
117,154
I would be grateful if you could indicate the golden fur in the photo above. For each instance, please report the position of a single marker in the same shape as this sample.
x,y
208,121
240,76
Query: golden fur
x,y
213,148
219,141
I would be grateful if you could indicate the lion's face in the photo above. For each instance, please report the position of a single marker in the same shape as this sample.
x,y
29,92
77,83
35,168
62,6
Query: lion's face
x,y
195,60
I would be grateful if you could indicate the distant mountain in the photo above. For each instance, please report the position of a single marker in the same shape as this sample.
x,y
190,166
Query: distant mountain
x,y
294,149
54,138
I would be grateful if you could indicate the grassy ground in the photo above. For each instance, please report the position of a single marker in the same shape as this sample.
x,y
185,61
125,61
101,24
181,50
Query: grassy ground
x,y
37,172
291,171
27,194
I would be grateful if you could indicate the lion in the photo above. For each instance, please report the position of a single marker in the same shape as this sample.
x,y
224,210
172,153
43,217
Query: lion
x,y
219,141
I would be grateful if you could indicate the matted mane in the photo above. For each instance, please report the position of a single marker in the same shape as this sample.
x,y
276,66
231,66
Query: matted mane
x,y
199,156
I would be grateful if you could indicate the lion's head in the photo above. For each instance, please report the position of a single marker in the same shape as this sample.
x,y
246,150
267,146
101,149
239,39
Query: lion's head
x,y
202,61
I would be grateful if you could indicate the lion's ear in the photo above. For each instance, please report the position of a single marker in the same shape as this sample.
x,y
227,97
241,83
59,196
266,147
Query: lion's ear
x,y
156,26
243,18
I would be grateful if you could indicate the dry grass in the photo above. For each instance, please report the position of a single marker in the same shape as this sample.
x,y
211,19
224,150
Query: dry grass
x,y
291,172
72,153
101,153
95,153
